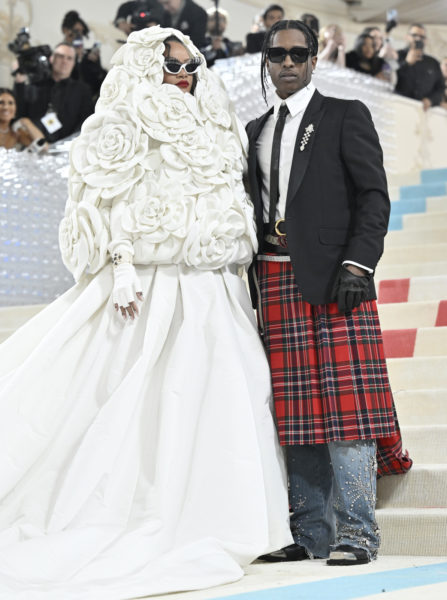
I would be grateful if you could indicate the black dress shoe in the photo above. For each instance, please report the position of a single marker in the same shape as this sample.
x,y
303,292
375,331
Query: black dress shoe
x,y
348,555
289,553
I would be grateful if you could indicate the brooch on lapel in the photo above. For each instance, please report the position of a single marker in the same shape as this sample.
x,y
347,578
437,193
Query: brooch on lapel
x,y
307,133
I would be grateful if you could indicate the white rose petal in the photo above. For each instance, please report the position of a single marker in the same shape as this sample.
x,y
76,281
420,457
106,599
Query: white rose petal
x,y
83,239
168,113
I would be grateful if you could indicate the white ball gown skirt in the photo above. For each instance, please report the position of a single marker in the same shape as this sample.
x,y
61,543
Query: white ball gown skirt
x,y
141,457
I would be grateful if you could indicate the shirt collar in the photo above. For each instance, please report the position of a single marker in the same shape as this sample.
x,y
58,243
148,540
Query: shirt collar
x,y
296,103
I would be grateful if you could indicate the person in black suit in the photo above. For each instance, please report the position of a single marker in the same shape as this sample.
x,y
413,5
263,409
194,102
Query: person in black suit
x,y
419,75
319,190
271,15
139,14
188,17
58,105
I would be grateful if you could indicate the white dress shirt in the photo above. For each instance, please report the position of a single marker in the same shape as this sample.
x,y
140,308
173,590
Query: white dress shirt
x,y
297,104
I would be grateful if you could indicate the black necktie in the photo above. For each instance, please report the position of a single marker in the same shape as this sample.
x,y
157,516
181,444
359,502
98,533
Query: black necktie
x,y
274,165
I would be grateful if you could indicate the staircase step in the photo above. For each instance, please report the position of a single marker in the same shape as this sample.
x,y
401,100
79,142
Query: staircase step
x,y
416,269
413,531
419,372
431,341
412,289
408,315
424,486
12,317
399,343
433,175
5,333
432,220
421,407
415,254
410,205
426,443
412,237
423,190
436,204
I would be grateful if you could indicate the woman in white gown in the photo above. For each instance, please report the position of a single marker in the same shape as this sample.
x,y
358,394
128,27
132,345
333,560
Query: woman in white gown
x,y
139,456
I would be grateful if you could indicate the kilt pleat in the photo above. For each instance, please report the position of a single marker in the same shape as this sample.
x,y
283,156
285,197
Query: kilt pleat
x,y
329,374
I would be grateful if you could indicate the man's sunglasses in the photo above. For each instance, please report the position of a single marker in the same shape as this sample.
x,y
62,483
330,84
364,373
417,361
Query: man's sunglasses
x,y
173,66
298,54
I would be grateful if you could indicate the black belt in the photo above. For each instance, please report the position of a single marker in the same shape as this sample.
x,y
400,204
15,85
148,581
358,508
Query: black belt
x,y
271,248
276,244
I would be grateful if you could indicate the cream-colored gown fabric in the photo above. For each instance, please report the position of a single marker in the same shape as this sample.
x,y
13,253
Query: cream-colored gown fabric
x,y
141,457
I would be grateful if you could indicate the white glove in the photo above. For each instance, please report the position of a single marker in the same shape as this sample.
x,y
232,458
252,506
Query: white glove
x,y
126,290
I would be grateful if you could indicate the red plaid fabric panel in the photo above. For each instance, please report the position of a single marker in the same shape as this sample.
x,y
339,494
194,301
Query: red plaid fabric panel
x,y
329,375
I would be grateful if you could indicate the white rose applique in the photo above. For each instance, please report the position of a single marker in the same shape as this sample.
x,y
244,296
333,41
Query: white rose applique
x,y
218,237
197,152
143,61
159,217
209,100
115,88
111,150
83,238
168,113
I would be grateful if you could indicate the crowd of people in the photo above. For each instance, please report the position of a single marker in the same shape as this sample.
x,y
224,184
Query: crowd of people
x,y
58,103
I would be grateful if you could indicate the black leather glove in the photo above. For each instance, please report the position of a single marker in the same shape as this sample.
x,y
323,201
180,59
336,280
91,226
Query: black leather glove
x,y
350,290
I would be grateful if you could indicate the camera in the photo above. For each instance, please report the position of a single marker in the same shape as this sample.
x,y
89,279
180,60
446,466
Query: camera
x,y
140,19
418,44
145,12
33,60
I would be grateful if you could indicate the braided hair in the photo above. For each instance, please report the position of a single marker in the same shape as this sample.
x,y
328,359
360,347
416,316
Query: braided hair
x,y
311,39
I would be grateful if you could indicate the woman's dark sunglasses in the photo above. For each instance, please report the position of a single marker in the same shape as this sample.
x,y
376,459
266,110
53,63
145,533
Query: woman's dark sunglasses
x,y
298,54
173,66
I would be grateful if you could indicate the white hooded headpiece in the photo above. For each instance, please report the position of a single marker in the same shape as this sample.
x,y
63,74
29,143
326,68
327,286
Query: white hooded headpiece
x,y
158,168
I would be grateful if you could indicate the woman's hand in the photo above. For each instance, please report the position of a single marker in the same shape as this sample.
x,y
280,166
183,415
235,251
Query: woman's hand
x,y
126,290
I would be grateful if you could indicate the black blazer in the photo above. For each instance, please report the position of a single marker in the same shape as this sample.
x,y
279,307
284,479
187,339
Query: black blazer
x,y
192,21
71,100
337,205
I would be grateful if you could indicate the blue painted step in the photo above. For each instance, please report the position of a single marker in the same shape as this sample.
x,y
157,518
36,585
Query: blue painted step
x,y
433,175
395,223
422,191
410,205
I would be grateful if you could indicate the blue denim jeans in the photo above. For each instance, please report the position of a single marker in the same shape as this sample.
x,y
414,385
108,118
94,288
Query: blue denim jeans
x,y
333,495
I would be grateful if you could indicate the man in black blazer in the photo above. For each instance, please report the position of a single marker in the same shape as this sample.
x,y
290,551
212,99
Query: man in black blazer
x,y
320,195
187,16
58,105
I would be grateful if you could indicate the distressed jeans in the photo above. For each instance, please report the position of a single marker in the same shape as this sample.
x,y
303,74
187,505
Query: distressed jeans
x,y
332,489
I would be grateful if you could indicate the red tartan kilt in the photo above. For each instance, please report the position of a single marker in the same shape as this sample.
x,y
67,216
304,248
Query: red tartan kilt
x,y
329,375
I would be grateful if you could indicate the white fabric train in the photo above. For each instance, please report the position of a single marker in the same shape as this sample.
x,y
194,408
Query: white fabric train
x,y
140,458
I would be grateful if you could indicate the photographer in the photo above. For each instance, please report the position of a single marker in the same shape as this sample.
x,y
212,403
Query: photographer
x,y
188,17
57,104
137,15
271,15
218,46
419,76
88,62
